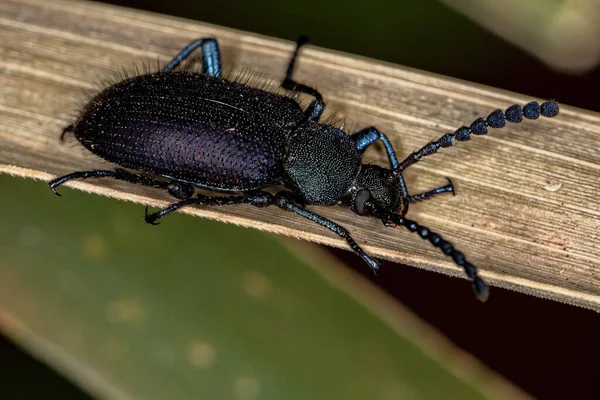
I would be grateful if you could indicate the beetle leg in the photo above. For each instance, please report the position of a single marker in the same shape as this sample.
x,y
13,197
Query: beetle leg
x,y
211,57
175,188
180,190
258,199
315,109
449,188
366,137
285,201
66,129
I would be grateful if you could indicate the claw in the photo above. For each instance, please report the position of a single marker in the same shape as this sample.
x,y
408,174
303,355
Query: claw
x,y
389,224
481,289
66,130
375,266
53,188
150,218
451,187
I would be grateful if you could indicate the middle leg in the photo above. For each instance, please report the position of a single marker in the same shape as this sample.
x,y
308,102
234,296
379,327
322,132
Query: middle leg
x,y
284,200
258,199
211,57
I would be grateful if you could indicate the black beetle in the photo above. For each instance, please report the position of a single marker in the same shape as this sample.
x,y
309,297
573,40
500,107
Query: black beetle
x,y
206,131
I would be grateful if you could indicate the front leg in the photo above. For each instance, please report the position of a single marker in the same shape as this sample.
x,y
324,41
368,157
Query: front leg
x,y
285,200
366,137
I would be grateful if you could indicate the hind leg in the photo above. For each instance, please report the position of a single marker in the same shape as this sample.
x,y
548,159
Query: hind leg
x,y
175,188
315,109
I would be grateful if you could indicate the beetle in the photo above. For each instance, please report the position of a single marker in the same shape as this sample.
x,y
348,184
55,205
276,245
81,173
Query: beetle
x,y
185,129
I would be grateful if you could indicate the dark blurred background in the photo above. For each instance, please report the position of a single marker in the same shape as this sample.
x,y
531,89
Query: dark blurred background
x,y
530,341
423,34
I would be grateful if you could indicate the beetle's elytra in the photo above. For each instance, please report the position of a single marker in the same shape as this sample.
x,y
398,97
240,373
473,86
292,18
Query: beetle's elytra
x,y
184,130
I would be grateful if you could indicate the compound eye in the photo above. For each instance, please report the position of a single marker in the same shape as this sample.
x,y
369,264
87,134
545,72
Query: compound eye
x,y
360,201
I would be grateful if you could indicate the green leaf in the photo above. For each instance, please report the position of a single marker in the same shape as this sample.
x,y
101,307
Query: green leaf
x,y
192,309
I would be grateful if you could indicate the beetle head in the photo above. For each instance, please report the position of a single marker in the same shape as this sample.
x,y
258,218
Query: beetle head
x,y
375,189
